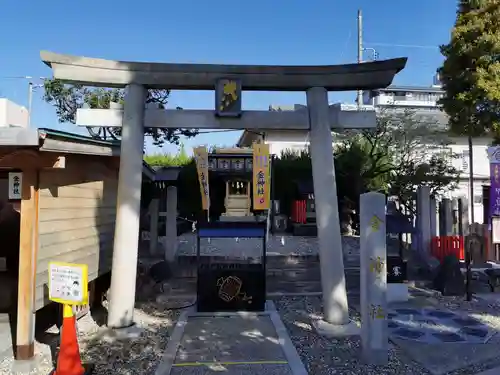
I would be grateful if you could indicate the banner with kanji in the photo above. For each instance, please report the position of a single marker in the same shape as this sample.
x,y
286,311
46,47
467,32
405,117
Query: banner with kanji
x,y
261,174
201,159
494,157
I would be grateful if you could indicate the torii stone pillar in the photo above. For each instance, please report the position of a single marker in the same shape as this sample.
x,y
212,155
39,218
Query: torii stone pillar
x,y
423,219
128,205
171,224
335,308
154,213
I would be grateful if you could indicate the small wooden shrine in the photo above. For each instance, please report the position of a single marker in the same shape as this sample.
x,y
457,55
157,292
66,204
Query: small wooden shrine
x,y
235,165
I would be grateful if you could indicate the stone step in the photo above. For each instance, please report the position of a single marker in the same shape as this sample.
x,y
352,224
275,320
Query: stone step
x,y
294,274
271,259
285,287
311,273
185,266
276,285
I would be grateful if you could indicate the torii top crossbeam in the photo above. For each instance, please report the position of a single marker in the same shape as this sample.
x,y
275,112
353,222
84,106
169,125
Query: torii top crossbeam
x,y
109,73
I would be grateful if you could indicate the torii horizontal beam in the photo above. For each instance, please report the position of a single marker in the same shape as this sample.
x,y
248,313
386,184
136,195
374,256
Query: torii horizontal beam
x,y
109,73
205,119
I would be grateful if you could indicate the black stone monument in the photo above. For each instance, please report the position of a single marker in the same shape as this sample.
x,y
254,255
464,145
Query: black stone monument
x,y
231,284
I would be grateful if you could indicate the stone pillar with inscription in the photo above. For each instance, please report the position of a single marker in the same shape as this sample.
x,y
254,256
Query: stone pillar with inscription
x,y
373,256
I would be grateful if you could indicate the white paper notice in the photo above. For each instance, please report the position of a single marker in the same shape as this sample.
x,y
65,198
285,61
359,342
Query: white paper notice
x,y
66,283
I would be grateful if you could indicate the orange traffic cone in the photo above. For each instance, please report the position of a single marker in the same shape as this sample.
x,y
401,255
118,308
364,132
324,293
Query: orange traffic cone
x,y
68,360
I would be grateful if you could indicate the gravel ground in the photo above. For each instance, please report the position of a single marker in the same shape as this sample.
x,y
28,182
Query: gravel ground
x,y
110,355
323,356
131,356
326,356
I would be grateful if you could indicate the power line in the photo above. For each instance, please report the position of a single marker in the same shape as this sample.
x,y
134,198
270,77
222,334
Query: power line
x,y
23,77
218,131
403,45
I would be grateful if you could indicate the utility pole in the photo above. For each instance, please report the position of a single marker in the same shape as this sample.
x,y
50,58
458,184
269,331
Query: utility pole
x,y
30,96
30,102
471,177
468,255
360,52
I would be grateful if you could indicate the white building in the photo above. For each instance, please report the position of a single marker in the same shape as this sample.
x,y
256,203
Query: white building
x,y
422,100
12,114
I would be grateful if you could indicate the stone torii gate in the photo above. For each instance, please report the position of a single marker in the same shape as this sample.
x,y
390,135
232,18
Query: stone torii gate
x,y
319,119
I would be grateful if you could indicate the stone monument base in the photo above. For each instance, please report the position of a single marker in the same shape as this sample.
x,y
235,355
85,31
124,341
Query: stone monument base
x,y
324,328
397,292
377,357
132,332
249,219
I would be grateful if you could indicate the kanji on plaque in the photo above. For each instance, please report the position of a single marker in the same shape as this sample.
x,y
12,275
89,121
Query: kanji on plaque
x,y
376,312
377,265
261,176
15,185
228,98
375,223
201,159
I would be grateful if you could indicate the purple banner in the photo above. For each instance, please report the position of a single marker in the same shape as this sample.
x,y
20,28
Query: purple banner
x,y
494,189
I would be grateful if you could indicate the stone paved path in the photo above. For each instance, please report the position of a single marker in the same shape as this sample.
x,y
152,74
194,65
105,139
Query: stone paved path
x,y
232,344
439,339
235,344
434,326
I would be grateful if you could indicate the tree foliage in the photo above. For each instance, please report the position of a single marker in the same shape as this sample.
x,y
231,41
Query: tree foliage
x,y
68,98
169,160
470,73
403,152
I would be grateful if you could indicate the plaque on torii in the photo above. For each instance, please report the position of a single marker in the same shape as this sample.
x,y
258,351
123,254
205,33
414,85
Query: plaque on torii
x,y
228,98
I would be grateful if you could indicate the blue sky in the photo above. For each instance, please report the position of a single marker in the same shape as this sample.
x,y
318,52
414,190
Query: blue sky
x,y
241,32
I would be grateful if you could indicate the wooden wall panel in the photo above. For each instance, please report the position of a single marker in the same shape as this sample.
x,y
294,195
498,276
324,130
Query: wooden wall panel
x,y
77,217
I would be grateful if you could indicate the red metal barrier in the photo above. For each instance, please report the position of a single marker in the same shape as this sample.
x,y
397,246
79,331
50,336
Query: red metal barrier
x,y
299,212
446,245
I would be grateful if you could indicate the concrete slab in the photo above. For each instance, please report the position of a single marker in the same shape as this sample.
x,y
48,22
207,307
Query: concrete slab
x,y
5,336
239,343
229,339
491,297
233,370
439,356
440,359
491,371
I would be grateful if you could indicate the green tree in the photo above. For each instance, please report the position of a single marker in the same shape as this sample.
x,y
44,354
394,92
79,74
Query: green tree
x,y
68,98
470,73
404,151
169,160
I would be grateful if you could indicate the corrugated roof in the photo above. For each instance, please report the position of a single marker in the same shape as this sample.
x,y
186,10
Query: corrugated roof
x,y
44,132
